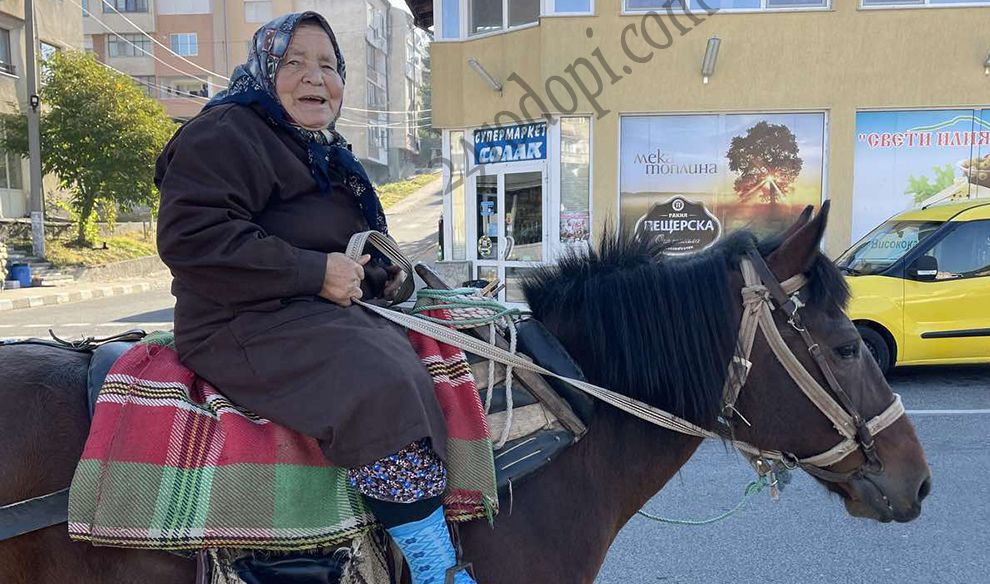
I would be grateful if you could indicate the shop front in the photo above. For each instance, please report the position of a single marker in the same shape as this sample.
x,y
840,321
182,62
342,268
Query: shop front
x,y
516,197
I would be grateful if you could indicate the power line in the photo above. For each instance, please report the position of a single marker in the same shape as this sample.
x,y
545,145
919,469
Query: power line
x,y
157,42
118,35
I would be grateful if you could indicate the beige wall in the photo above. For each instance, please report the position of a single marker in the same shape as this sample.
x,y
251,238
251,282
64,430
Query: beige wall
x,y
58,23
838,61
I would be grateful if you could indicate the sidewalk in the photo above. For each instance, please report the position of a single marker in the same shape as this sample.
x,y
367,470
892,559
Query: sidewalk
x,y
52,295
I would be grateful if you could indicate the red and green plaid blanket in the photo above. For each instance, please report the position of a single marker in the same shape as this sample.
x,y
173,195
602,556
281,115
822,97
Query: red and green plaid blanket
x,y
170,463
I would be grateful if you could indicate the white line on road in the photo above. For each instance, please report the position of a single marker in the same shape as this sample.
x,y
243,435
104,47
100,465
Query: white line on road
x,y
946,412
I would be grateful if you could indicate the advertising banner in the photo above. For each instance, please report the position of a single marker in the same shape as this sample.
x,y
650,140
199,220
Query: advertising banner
x,y
906,159
511,143
689,179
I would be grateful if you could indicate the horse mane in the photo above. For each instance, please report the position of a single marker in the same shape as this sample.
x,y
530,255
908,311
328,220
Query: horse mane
x,y
658,328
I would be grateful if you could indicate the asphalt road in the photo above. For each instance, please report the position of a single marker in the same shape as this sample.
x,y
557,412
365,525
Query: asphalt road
x,y
807,537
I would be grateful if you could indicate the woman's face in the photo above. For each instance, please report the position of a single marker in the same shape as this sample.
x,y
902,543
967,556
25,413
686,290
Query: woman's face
x,y
307,82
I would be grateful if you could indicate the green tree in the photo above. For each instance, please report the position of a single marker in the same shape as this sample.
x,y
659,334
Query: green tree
x,y
100,135
921,189
767,162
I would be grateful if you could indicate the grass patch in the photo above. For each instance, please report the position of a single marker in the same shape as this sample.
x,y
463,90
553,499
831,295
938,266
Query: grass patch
x,y
65,253
392,193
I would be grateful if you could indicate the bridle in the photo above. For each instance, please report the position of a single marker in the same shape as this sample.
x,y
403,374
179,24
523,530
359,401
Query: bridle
x,y
762,294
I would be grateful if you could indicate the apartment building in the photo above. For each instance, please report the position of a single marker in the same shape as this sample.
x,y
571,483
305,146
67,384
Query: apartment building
x,y
167,46
58,27
686,120
193,46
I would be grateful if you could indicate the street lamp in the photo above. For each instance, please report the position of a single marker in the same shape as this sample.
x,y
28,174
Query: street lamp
x,y
492,82
711,56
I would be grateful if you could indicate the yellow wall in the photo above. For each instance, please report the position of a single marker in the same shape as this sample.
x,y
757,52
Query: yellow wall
x,y
838,60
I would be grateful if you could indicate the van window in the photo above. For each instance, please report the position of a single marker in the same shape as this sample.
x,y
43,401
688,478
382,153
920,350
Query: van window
x,y
964,253
885,245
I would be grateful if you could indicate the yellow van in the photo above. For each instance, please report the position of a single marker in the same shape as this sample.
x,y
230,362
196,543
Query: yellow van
x,y
921,286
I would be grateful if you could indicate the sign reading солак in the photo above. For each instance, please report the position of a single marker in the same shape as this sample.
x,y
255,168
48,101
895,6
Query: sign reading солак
x,y
684,226
511,143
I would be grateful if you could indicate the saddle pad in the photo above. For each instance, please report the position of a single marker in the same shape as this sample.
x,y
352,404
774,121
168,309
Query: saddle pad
x,y
170,463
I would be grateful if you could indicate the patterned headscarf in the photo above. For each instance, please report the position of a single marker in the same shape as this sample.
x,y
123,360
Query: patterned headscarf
x,y
253,83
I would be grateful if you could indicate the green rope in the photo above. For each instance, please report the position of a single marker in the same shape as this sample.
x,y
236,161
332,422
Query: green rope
x,y
751,489
461,298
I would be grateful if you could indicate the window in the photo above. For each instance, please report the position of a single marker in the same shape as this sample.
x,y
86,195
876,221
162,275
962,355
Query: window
x,y
575,180
128,45
571,6
181,87
10,167
486,16
720,5
964,253
257,10
378,144
450,15
147,84
377,31
183,6
184,44
376,64
88,44
85,8
6,59
494,15
376,97
112,6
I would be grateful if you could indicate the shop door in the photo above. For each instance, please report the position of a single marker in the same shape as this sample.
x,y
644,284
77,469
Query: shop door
x,y
510,227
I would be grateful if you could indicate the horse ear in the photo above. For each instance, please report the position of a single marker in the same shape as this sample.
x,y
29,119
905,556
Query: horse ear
x,y
797,252
799,223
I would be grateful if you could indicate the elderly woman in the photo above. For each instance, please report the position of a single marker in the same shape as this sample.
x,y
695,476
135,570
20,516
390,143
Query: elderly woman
x,y
259,197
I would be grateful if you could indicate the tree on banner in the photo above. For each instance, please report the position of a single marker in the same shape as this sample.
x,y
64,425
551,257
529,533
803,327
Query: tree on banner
x,y
100,135
767,161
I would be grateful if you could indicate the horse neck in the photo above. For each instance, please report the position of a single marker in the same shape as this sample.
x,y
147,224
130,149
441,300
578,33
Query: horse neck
x,y
559,525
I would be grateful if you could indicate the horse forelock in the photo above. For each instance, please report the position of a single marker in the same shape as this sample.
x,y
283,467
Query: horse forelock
x,y
826,288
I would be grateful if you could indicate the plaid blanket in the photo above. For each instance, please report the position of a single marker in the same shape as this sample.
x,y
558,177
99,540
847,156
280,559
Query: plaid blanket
x,y
170,463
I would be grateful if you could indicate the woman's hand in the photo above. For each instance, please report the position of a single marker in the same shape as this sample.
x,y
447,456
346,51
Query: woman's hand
x,y
396,277
342,280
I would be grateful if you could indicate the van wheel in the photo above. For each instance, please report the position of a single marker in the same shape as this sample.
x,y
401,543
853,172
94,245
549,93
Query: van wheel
x,y
877,346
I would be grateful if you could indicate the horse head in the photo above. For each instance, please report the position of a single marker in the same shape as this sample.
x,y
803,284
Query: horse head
x,y
880,474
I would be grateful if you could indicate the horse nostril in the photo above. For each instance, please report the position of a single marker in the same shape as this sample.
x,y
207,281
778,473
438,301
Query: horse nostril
x,y
925,489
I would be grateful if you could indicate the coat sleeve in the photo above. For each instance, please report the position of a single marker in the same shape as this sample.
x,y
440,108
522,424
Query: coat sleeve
x,y
213,180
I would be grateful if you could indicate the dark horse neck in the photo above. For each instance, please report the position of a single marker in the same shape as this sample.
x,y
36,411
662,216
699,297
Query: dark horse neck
x,y
559,524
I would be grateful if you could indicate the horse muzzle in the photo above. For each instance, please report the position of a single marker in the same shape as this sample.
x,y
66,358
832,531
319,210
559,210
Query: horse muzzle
x,y
885,499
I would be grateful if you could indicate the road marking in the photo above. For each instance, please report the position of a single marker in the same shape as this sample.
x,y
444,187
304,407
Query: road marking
x,y
946,412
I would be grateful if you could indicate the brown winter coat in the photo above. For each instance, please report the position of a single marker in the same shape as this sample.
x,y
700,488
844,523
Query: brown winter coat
x,y
246,233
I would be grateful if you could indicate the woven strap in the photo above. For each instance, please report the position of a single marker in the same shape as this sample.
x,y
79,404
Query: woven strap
x,y
388,248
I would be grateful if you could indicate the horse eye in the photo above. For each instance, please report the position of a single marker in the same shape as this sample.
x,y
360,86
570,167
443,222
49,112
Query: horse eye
x,y
848,351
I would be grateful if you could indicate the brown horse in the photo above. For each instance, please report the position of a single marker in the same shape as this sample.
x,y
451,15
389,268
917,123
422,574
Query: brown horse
x,y
660,330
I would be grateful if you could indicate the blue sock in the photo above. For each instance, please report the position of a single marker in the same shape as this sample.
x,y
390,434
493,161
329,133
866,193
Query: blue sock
x,y
428,550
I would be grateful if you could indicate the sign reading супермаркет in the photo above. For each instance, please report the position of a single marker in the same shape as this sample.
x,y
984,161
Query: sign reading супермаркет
x,y
511,143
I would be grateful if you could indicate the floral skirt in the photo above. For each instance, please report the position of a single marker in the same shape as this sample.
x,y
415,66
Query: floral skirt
x,y
411,474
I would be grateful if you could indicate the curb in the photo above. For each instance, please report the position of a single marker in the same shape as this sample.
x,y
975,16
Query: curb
x,y
53,298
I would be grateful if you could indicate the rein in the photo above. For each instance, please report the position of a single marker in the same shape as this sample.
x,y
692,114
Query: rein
x,y
761,291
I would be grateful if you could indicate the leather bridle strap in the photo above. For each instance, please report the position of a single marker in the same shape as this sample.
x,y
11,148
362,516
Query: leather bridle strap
x,y
843,414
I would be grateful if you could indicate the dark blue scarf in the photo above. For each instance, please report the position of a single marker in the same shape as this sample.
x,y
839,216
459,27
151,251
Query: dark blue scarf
x,y
253,84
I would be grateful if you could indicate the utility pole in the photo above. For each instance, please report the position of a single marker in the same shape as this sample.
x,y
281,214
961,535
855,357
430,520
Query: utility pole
x,y
34,134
